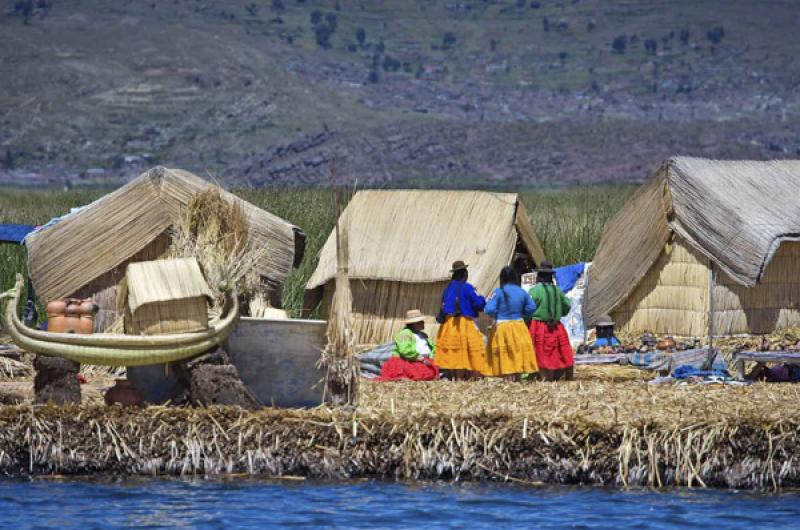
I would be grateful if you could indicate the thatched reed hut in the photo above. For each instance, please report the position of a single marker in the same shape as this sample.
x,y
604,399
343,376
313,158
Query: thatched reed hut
x,y
86,253
704,247
166,296
401,247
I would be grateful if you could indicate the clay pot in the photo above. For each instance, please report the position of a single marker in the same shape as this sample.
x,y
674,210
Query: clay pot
x,y
665,344
57,323
71,317
123,393
55,308
89,307
85,325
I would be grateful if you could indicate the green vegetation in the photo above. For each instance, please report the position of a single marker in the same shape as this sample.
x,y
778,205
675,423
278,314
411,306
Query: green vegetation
x,y
568,222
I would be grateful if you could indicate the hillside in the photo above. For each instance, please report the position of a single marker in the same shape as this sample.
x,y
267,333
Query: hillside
x,y
399,92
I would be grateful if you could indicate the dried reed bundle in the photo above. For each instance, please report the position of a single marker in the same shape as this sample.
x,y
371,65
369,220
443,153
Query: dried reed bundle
x,y
11,369
338,359
215,231
621,434
212,220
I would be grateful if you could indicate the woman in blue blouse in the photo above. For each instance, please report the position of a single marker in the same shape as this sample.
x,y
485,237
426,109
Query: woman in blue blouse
x,y
459,344
510,347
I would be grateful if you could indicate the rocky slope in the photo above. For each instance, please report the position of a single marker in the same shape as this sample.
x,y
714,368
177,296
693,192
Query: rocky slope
x,y
398,92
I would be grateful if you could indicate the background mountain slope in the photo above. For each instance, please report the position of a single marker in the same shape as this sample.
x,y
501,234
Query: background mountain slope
x,y
399,92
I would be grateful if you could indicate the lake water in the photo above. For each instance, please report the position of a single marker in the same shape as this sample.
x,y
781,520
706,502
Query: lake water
x,y
87,504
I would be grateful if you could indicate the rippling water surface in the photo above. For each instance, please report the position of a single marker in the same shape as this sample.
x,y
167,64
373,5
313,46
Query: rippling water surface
x,y
85,504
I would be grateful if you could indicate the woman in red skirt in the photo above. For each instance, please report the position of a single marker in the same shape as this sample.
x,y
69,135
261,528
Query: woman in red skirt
x,y
550,340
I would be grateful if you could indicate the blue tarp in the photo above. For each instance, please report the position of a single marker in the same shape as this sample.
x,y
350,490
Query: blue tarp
x,y
13,233
568,275
686,371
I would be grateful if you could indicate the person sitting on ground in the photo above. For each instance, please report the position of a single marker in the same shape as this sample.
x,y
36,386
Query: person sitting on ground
x,y
550,340
412,354
778,373
460,348
510,352
412,343
604,334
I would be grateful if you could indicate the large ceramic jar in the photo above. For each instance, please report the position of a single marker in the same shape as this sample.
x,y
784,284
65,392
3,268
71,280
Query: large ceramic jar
x,y
56,320
72,316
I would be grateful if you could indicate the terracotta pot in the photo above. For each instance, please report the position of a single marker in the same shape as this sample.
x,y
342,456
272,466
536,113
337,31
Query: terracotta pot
x,y
89,307
57,323
123,393
55,308
71,317
665,344
85,325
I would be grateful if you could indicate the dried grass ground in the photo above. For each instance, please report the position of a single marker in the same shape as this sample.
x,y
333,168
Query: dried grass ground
x,y
583,432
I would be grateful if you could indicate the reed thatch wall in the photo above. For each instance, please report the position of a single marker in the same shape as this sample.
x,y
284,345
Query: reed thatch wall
x,y
83,246
402,244
737,217
166,296
104,288
631,244
379,307
774,303
672,298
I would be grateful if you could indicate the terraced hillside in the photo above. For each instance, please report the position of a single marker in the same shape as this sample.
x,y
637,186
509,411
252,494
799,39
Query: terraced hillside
x,y
399,92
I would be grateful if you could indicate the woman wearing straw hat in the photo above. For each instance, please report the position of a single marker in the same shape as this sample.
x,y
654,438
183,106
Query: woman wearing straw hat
x,y
412,343
459,345
412,356
510,351
604,334
550,340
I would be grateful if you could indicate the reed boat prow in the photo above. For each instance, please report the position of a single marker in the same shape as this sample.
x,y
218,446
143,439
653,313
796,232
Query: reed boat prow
x,y
117,349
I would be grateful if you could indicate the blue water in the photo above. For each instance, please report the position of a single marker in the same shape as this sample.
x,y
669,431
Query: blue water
x,y
84,504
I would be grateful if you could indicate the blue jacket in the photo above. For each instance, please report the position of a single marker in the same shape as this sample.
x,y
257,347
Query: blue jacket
x,y
605,342
471,302
510,302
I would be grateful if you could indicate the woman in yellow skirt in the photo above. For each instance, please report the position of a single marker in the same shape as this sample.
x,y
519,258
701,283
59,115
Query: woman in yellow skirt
x,y
510,351
460,349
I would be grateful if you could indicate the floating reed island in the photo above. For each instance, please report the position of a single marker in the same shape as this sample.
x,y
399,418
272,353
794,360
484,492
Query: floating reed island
x,y
582,432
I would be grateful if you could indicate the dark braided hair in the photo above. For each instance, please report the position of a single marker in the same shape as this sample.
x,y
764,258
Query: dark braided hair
x,y
460,275
508,276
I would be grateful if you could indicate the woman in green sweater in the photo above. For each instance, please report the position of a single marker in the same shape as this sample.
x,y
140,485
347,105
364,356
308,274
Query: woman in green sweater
x,y
550,340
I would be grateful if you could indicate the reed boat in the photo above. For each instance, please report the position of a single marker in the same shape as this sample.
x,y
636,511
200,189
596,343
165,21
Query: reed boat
x,y
111,349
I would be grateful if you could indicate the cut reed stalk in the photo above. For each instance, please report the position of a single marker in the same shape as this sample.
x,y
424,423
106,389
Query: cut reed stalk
x,y
496,431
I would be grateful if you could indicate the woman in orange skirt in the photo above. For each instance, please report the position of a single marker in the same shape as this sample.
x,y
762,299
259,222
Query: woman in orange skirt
x,y
460,348
510,352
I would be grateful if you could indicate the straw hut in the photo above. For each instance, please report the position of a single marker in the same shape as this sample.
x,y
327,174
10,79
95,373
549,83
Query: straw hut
x,y
704,247
86,253
401,246
166,296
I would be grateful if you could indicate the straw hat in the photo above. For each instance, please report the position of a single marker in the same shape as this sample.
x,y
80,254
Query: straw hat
x,y
458,266
604,320
413,316
545,266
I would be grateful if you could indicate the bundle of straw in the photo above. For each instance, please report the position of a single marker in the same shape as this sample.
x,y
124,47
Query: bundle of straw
x,y
215,232
338,359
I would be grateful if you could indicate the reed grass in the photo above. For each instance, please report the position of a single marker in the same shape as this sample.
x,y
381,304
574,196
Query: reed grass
x,y
568,222
582,432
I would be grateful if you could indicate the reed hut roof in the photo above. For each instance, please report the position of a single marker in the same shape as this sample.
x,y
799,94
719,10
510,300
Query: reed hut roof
x,y
734,212
85,244
415,236
165,281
